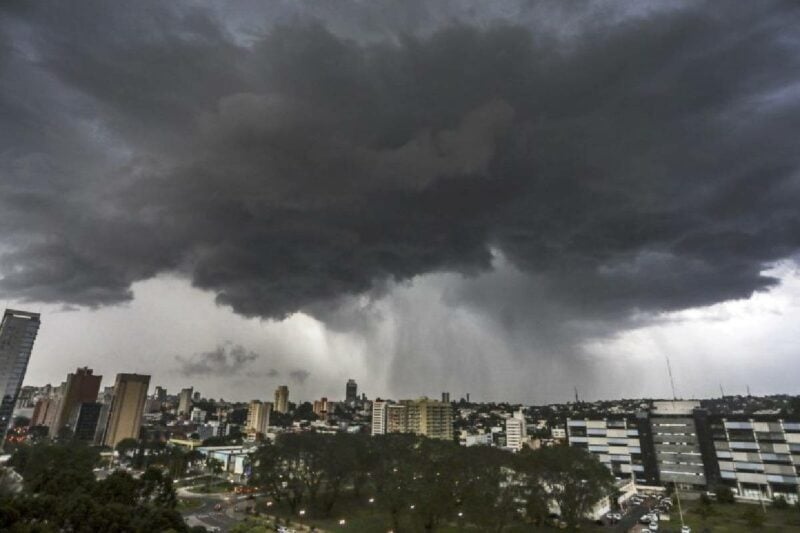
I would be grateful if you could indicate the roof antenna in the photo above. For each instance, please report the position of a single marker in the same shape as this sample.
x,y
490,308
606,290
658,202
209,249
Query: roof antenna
x,y
748,391
577,400
721,391
671,381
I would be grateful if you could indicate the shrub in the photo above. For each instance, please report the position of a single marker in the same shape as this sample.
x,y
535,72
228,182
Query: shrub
x,y
724,494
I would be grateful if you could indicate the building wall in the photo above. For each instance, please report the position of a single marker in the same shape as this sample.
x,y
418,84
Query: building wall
x,y
282,399
127,408
82,386
615,442
379,417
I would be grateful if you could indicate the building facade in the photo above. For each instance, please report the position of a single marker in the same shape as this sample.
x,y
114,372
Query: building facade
x,y
282,399
258,417
127,408
17,334
351,392
379,416
185,401
82,386
516,431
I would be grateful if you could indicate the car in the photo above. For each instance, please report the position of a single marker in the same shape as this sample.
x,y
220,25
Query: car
x,y
686,529
653,526
645,519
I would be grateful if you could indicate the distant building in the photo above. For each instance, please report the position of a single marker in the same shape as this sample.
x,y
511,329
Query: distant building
x,y
198,416
82,386
321,407
379,416
516,431
17,334
127,408
445,397
431,418
161,394
676,443
104,399
258,417
282,399
351,392
185,401
85,421
40,410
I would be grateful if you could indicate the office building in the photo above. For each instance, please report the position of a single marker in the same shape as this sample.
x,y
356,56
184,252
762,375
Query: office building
x,y
758,457
43,405
424,416
379,416
676,444
282,399
321,407
351,392
185,401
127,408
198,416
160,394
617,443
85,421
516,431
258,417
82,386
445,397
17,334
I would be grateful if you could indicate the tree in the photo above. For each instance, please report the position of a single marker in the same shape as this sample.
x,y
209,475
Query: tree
x,y
573,479
494,487
393,474
125,446
753,516
724,494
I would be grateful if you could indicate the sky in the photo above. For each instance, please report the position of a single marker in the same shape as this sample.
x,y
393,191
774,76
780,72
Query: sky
x,y
510,199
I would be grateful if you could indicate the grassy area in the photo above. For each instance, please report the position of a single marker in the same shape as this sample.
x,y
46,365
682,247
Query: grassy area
x,y
188,505
213,488
731,518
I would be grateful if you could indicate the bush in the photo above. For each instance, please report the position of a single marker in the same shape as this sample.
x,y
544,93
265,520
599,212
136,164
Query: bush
x,y
725,494
779,502
753,516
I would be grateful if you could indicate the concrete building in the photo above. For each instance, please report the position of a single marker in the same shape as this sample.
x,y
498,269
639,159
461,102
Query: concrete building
x,y
424,416
397,418
43,405
104,399
758,457
258,413
516,431
17,334
198,416
160,394
82,386
127,408
185,401
445,397
617,443
321,407
677,445
282,399
379,416
351,392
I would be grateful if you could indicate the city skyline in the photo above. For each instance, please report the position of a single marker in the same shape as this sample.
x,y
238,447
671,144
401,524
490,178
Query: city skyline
x,y
508,199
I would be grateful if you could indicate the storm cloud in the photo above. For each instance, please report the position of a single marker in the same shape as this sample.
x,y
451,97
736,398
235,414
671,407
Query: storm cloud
x,y
225,359
615,164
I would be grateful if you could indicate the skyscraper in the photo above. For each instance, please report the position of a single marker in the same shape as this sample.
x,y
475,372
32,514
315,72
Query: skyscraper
x,y
185,401
445,397
17,334
351,392
127,407
516,431
161,394
282,399
379,416
81,387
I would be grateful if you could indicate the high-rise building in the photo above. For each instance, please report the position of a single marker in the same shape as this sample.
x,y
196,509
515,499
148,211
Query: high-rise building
x,y
85,421
127,408
161,394
104,399
445,397
198,416
379,416
258,417
321,407
676,443
431,418
43,405
282,399
397,417
516,431
185,401
17,334
351,392
81,387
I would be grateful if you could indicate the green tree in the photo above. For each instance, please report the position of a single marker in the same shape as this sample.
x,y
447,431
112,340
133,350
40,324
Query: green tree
x,y
574,480
724,494
494,487
753,516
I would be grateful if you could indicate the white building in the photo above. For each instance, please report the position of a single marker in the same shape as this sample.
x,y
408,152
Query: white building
x,y
516,431
379,416
198,416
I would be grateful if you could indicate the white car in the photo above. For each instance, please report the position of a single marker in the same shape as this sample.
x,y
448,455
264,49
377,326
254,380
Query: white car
x,y
653,526
645,519
686,529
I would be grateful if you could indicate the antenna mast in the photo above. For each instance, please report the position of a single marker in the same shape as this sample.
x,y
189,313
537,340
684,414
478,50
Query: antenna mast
x,y
671,380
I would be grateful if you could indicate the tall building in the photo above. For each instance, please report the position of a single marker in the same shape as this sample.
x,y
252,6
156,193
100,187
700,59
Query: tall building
x,y
516,431
84,422
379,416
81,387
676,443
43,405
351,392
258,417
424,416
446,397
161,394
282,399
104,399
17,333
321,407
185,401
127,408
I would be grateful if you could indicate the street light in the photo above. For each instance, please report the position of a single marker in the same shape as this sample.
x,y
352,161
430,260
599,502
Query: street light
x,y
342,522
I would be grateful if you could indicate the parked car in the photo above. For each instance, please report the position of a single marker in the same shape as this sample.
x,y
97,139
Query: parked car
x,y
645,519
686,529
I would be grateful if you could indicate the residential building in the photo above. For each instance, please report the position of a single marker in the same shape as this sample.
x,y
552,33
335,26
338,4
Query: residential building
x,y
185,401
321,407
258,417
282,399
160,394
127,408
379,416
397,417
424,416
516,431
17,334
84,423
445,397
198,416
82,386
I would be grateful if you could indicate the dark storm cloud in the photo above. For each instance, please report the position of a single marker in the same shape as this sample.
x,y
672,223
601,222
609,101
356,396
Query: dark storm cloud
x,y
624,163
299,376
227,359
